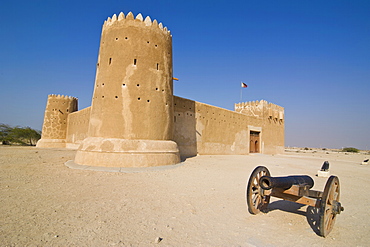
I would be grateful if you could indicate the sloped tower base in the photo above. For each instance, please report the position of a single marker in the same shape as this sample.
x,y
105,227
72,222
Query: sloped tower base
x,y
51,143
113,152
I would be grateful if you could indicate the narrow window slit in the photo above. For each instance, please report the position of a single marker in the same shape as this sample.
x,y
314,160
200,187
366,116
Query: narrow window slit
x,y
135,61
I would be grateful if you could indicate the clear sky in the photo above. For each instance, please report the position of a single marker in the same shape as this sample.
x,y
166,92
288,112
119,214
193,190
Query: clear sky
x,y
311,57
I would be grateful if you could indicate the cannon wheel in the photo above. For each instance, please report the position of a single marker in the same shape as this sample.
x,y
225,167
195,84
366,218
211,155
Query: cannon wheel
x,y
327,211
256,201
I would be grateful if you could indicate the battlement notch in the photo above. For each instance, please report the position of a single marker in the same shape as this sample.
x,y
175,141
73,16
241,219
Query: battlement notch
x,y
147,22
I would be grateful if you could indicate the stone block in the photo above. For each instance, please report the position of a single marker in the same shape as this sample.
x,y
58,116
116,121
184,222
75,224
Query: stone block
x,y
323,174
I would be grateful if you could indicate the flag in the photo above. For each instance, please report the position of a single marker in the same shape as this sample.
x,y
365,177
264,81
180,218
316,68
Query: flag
x,y
244,85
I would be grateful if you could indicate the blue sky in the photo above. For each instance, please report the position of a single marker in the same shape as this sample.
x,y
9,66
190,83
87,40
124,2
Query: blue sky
x,y
311,57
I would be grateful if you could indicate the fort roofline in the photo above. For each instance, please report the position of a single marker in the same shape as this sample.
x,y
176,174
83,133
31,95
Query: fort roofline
x,y
61,96
139,18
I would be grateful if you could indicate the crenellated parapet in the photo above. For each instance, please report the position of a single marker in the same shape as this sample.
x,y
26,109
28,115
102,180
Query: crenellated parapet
x,y
275,112
138,20
58,96
261,109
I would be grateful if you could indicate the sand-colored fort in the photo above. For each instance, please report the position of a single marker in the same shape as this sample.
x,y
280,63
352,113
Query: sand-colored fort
x,y
135,120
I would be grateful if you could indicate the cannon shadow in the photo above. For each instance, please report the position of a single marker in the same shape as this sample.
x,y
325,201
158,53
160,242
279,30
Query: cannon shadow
x,y
286,206
312,213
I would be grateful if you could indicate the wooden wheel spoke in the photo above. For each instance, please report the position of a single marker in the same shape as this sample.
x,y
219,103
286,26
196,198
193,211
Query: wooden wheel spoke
x,y
336,195
255,182
256,200
331,196
254,196
327,221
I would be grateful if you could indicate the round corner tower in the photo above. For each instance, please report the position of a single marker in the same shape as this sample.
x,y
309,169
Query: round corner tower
x,y
131,121
54,129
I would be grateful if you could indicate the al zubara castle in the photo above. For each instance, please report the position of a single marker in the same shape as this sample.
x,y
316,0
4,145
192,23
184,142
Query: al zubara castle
x,y
135,120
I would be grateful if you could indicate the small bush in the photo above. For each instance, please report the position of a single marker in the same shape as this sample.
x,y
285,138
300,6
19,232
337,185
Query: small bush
x,y
351,150
18,135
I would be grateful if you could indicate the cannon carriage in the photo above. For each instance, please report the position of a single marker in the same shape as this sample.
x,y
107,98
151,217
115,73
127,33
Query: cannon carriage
x,y
261,186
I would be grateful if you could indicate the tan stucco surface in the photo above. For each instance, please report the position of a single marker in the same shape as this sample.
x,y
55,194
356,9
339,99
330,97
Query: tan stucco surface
x,y
206,129
54,129
133,89
78,126
136,121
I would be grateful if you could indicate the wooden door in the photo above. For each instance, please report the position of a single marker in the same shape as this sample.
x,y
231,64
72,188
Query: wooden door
x,y
254,143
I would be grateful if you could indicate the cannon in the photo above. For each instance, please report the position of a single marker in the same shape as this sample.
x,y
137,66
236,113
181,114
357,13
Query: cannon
x,y
261,186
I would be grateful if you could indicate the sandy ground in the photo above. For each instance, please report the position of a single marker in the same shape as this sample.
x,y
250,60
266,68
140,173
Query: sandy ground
x,y
201,203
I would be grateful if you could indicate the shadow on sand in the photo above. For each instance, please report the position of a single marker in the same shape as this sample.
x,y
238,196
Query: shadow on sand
x,y
312,213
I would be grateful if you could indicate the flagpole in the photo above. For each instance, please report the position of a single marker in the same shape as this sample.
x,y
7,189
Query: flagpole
x,y
241,94
243,85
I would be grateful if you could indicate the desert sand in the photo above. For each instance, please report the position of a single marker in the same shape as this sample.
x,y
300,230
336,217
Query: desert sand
x,y
199,203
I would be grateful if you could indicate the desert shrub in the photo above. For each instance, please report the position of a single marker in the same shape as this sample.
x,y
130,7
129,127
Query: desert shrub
x,y
18,135
5,131
350,149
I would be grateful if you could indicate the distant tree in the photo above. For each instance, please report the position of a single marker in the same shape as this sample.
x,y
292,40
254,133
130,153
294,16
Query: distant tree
x,y
350,149
25,135
5,131
20,135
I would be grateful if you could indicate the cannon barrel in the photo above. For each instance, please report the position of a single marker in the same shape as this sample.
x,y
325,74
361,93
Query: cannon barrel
x,y
285,183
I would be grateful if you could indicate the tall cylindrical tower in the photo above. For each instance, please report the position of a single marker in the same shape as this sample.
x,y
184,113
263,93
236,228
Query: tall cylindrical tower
x,y
131,122
54,129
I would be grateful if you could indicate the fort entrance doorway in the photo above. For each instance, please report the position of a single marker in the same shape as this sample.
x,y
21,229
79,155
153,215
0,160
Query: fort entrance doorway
x,y
254,143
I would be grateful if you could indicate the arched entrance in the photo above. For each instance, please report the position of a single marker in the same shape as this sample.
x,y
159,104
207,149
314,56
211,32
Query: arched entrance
x,y
254,144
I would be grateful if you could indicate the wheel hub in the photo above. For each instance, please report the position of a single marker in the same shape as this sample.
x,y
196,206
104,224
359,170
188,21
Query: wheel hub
x,y
337,208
